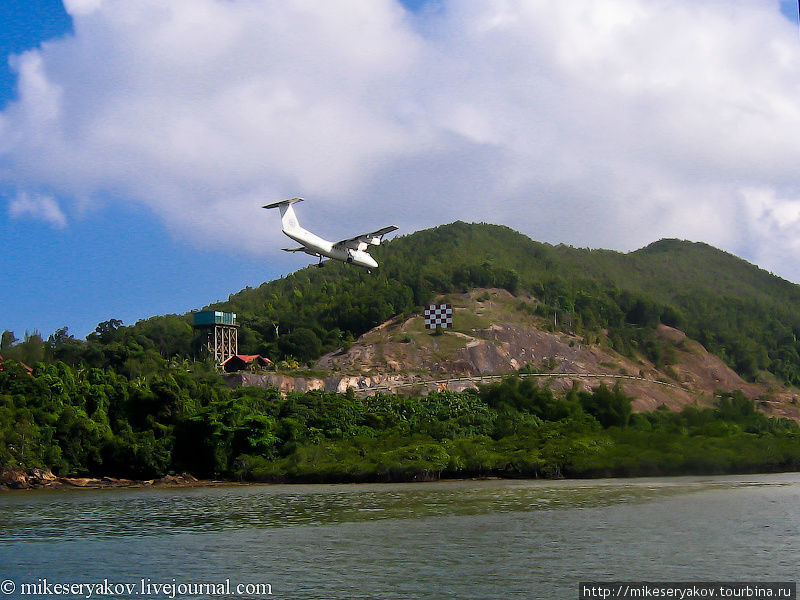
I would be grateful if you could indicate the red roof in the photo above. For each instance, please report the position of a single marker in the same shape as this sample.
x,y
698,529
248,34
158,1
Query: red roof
x,y
245,359
252,357
26,367
249,358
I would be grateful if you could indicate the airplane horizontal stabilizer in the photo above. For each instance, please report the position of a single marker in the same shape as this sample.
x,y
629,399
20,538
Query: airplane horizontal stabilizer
x,y
283,203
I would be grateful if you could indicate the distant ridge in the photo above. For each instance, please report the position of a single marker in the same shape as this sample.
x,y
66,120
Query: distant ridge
x,y
743,314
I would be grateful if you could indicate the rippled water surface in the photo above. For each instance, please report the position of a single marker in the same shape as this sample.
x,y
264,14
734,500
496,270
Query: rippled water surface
x,y
462,539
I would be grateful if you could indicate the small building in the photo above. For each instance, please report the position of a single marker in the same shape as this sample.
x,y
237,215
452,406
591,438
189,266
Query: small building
x,y
242,362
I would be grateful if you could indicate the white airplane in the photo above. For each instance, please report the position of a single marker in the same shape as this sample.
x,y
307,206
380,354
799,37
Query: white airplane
x,y
351,250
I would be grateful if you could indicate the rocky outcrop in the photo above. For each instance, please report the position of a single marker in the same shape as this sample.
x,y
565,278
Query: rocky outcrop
x,y
181,479
390,382
496,333
17,479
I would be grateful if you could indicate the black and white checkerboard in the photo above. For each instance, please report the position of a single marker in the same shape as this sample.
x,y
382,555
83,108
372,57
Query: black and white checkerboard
x,y
439,315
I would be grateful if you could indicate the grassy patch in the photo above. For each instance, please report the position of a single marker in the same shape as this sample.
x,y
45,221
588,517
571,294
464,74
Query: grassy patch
x,y
446,344
466,321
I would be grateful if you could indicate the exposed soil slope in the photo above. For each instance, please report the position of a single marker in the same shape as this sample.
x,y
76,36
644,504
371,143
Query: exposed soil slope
x,y
497,333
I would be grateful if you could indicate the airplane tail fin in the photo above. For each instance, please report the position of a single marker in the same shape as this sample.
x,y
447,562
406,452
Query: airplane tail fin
x,y
289,220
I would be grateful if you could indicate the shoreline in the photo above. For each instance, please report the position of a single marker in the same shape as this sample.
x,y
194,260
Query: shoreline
x,y
41,479
38,479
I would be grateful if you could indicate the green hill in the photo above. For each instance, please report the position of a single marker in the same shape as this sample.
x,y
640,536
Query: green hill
x,y
743,314
738,311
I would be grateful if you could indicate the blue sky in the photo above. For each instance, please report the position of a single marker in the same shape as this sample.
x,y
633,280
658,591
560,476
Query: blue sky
x,y
790,9
137,143
27,23
122,264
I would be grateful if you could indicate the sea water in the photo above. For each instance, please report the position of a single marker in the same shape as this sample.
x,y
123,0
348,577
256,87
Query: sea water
x,y
452,539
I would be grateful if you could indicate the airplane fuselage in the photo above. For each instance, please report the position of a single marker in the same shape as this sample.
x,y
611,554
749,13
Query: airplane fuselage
x,y
316,244
351,250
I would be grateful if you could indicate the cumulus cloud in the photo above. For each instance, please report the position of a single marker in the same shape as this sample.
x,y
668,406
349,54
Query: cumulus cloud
x,y
597,123
38,207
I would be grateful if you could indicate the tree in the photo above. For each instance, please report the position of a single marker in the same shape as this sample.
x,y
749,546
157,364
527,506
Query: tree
x,y
302,343
8,340
29,351
612,408
106,331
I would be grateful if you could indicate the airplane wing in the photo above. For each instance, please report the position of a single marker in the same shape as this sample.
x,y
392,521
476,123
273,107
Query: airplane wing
x,y
373,238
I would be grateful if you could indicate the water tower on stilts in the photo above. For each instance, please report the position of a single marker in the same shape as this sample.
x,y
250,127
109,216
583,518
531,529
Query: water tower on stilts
x,y
219,334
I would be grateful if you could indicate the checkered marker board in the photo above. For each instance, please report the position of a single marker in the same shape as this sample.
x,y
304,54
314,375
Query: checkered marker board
x,y
439,315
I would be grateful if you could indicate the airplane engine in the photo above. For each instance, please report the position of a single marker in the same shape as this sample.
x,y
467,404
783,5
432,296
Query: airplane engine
x,y
376,241
362,246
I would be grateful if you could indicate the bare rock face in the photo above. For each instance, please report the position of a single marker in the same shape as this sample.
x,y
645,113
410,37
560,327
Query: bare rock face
x,y
333,383
496,333
284,383
181,479
17,479
14,479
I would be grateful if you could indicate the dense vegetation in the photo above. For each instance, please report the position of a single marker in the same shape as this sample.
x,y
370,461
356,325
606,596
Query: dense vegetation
x,y
132,401
96,421
743,314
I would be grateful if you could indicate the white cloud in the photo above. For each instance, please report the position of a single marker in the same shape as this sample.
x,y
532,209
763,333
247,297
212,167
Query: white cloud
x,y
593,122
82,7
38,207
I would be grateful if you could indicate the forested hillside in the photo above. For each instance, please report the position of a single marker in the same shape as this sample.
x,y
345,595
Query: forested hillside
x,y
745,315
738,311
95,422
131,400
